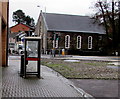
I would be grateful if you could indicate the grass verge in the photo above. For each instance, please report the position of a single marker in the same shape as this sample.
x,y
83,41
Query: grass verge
x,y
82,70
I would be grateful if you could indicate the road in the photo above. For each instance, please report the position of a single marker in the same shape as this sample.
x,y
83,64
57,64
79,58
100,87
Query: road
x,y
97,58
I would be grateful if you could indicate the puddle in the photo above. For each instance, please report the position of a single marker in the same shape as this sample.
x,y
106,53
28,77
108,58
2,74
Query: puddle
x,y
71,60
114,63
114,67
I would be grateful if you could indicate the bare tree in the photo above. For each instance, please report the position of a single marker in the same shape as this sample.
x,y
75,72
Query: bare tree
x,y
109,14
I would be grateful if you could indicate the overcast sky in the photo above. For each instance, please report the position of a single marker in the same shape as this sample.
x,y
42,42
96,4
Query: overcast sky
x,y
29,7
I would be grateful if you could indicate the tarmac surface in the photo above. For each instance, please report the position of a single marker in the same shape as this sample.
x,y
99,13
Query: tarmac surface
x,y
99,88
91,58
50,85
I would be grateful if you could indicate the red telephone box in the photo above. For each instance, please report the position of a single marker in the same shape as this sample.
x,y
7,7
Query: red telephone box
x,y
32,56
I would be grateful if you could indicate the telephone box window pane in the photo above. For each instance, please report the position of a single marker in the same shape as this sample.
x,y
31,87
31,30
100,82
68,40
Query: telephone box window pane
x,y
32,66
32,48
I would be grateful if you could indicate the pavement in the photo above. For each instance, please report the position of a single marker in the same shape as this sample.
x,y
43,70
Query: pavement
x,y
51,83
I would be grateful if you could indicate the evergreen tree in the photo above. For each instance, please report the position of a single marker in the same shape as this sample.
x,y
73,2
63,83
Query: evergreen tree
x,y
20,17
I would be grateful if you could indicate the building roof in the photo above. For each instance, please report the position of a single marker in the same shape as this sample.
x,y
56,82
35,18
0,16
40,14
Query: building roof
x,y
20,27
72,23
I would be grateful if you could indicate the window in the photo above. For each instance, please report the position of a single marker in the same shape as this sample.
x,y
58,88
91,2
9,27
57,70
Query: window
x,y
78,42
90,42
67,41
55,39
55,43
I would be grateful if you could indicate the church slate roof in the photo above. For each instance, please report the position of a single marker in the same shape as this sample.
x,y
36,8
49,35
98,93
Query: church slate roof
x,y
72,23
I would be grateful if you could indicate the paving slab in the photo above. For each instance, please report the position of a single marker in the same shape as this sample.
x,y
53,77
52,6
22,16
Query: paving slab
x,y
50,85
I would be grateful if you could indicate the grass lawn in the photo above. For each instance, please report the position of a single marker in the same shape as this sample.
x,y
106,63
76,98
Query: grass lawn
x,y
82,69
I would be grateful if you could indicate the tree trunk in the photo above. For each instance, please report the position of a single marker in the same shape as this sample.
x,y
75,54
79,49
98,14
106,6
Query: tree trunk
x,y
105,22
113,28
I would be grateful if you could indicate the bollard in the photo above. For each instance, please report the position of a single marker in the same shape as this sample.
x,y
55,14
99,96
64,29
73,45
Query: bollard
x,y
22,66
